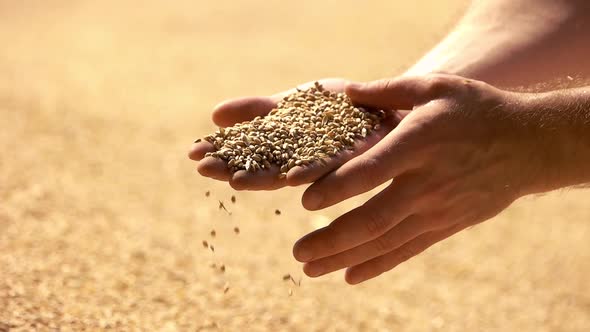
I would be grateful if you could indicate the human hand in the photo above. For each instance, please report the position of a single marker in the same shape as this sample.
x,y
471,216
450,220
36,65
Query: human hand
x,y
238,110
459,158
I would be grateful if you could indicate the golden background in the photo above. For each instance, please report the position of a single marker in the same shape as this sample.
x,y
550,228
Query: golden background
x,y
102,215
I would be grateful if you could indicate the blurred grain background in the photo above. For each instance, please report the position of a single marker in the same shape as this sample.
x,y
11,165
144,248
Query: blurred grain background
x,y
102,215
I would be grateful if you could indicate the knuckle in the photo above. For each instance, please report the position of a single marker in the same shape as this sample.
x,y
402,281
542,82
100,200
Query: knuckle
x,y
438,85
375,223
368,174
331,242
436,221
443,192
406,252
382,85
478,84
385,243
386,84
381,266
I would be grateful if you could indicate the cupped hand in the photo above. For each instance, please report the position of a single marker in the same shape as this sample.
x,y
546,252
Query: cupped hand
x,y
234,111
460,157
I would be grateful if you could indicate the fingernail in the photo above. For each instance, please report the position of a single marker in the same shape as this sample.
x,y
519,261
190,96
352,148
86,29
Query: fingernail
x,y
313,199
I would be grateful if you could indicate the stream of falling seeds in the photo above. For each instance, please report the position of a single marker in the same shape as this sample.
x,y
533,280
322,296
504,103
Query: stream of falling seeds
x,y
221,266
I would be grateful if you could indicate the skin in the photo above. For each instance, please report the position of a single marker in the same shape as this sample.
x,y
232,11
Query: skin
x,y
464,152
238,110
514,43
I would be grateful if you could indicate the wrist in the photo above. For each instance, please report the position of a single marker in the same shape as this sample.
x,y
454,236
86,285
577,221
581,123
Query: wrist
x,y
557,128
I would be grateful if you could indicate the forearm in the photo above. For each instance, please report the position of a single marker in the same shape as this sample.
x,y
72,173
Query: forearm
x,y
515,42
559,122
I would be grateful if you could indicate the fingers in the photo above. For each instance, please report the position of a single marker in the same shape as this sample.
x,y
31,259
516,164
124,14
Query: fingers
x,y
238,110
241,180
214,168
390,157
310,173
199,149
267,179
401,93
405,231
363,224
243,109
384,263
395,154
208,166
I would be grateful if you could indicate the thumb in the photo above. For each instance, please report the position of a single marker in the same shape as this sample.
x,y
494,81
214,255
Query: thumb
x,y
399,93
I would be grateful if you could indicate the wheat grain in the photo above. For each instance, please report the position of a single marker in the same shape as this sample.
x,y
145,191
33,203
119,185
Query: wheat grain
x,y
307,126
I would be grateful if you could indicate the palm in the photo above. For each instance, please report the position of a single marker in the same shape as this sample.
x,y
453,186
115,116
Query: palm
x,y
243,109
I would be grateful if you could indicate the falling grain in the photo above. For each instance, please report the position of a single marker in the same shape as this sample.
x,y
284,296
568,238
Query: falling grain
x,y
222,207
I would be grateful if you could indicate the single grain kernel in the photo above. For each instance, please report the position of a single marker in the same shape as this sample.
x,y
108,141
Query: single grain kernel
x,y
222,207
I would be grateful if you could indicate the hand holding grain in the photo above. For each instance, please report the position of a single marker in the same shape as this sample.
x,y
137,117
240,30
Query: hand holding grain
x,y
465,153
309,133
